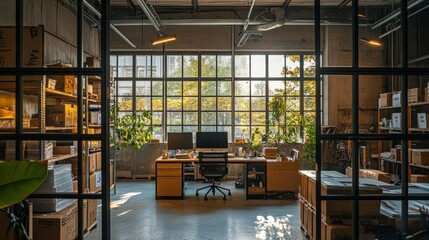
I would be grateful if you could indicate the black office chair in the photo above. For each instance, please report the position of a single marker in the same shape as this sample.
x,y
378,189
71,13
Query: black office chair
x,y
213,166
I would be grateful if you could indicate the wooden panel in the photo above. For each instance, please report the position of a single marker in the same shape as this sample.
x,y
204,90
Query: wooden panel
x,y
169,186
283,181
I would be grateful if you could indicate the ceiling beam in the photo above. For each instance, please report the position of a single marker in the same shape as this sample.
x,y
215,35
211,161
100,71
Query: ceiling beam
x,y
132,6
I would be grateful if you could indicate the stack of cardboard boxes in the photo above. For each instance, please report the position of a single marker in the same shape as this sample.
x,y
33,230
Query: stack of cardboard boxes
x,y
336,215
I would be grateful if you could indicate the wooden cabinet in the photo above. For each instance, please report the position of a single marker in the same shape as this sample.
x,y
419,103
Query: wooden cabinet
x,y
169,180
283,176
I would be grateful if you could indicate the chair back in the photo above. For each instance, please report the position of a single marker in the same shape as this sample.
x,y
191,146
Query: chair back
x,y
213,164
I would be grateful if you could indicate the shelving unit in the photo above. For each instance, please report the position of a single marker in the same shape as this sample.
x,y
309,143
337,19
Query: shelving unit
x,y
413,127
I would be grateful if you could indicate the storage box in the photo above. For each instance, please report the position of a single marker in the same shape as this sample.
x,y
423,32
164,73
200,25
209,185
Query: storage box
x,y
51,83
422,120
92,212
92,162
98,161
419,178
385,100
95,182
416,95
283,176
32,47
420,157
396,120
95,117
57,225
396,99
64,150
61,115
270,152
426,94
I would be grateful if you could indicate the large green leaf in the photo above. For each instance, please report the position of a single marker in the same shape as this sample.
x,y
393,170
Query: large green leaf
x,y
18,179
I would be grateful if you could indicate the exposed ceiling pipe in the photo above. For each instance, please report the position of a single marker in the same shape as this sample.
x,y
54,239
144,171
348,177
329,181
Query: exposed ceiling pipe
x,y
90,7
152,16
394,14
225,22
244,35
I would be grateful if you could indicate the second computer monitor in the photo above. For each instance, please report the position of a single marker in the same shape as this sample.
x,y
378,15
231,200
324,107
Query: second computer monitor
x,y
180,141
212,141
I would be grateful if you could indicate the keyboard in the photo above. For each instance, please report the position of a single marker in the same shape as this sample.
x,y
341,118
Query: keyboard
x,y
182,156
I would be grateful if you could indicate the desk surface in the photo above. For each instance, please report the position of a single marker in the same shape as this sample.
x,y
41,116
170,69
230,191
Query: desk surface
x,y
230,160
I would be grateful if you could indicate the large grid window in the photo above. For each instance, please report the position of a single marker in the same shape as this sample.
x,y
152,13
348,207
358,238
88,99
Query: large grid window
x,y
215,92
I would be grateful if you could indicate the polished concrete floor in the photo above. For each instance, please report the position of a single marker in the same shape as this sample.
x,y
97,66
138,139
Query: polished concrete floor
x,y
137,215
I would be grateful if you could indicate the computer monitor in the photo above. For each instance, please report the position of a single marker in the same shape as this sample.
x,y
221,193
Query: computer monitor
x,y
212,141
180,141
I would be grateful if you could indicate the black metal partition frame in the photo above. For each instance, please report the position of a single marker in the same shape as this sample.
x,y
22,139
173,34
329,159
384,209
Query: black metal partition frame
x,y
104,71
355,71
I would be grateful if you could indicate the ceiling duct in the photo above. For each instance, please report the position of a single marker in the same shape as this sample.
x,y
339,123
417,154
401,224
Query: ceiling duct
x,y
246,35
279,21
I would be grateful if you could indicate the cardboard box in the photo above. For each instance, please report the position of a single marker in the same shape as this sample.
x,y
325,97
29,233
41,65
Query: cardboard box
x,y
270,152
92,162
416,95
74,185
419,178
64,150
396,151
426,94
385,100
92,212
396,99
95,182
92,62
396,120
32,47
420,157
59,225
98,161
61,115
95,117
423,120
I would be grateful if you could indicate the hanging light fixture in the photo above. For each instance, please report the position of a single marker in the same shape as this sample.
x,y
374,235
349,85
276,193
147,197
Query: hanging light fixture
x,y
372,42
164,39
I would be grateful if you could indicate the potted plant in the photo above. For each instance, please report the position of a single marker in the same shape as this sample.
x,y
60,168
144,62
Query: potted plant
x,y
18,179
309,156
131,132
254,142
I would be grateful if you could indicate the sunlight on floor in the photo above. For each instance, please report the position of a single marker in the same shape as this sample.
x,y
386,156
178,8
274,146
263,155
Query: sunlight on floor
x,y
123,213
273,227
124,198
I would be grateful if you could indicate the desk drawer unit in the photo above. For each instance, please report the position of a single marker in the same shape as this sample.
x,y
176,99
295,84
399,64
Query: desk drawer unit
x,y
169,180
283,176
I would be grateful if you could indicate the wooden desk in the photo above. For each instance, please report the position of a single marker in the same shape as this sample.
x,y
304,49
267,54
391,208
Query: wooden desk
x,y
170,178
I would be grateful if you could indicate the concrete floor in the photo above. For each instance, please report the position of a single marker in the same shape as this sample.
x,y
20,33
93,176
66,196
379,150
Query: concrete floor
x,y
137,215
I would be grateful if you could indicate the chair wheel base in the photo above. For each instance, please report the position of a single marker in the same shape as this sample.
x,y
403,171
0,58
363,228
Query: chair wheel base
x,y
229,194
205,199
224,198
196,194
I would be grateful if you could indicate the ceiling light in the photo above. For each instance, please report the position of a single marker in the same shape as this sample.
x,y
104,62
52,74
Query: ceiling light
x,y
372,42
163,39
268,26
361,15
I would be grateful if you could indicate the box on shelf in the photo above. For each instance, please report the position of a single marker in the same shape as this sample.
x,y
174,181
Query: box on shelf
x,y
385,100
59,225
98,161
420,157
416,95
51,83
396,99
92,62
419,178
423,120
64,150
33,150
92,212
95,117
61,115
396,120
426,94
396,151
95,181
92,162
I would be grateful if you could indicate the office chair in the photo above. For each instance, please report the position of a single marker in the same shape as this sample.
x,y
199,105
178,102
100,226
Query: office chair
x,y
213,166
